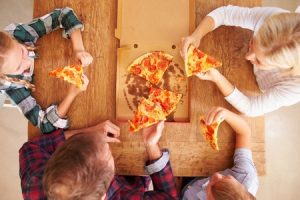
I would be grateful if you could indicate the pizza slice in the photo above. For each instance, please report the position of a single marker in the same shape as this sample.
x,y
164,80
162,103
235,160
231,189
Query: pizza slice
x,y
147,114
168,100
72,74
210,133
197,61
151,66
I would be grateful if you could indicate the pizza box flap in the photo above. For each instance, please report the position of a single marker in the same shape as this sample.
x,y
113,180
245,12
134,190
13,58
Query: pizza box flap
x,y
158,21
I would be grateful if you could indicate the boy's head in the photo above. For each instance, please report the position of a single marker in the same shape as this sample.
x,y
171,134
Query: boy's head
x,y
82,168
223,187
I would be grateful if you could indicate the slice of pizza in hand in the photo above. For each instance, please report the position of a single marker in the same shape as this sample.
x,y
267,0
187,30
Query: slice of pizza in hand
x,y
72,74
168,100
210,133
151,66
147,114
197,61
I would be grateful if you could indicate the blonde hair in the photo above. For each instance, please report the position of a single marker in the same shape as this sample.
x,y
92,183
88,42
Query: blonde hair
x,y
279,39
6,42
224,190
76,170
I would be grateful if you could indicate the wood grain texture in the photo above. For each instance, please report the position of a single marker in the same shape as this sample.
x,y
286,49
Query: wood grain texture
x,y
190,154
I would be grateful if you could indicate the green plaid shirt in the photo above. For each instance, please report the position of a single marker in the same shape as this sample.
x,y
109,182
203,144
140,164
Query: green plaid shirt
x,y
47,120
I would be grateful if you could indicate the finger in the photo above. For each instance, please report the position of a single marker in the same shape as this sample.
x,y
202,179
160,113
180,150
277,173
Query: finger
x,y
110,129
112,140
84,60
160,126
113,125
211,115
219,117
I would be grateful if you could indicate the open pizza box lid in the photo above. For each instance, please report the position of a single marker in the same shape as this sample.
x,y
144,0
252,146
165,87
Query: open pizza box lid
x,y
145,26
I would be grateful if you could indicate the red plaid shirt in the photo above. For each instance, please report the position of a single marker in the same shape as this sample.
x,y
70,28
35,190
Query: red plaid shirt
x,y
35,153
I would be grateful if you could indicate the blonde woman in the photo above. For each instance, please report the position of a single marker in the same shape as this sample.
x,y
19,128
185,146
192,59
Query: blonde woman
x,y
274,52
16,66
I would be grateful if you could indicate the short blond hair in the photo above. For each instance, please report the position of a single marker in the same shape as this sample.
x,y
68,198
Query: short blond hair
x,y
224,190
279,40
76,170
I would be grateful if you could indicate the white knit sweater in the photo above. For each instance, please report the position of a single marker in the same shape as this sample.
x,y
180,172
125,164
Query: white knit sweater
x,y
278,90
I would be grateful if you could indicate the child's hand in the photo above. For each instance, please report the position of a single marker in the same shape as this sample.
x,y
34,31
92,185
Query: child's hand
x,y
83,57
73,90
185,43
216,114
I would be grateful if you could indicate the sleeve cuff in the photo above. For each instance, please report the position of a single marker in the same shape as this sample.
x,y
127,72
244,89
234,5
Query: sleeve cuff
x,y
235,94
54,119
159,164
67,34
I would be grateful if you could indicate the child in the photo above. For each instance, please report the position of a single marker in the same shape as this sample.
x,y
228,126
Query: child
x,y
16,66
238,182
274,51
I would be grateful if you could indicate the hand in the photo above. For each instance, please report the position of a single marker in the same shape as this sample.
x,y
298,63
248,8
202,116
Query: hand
x,y
109,131
152,134
83,57
73,90
211,75
186,42
216,114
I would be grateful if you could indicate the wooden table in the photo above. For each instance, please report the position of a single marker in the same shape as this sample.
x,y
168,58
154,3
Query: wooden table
x,y
190,155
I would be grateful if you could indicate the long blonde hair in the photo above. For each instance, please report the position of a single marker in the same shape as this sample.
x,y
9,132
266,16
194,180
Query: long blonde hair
x,y
279,39
6,42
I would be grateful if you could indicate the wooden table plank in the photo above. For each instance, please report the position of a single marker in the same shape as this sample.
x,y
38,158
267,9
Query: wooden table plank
x,y
190,154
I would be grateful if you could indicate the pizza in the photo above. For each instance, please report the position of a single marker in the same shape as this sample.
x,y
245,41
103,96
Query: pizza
x,y
197,61
72,74
151,66
168,100
210,133
147,114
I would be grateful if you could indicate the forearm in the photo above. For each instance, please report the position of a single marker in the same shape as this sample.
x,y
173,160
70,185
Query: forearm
x,y
76,39
241,128
223,84
153,152
205,26
64,106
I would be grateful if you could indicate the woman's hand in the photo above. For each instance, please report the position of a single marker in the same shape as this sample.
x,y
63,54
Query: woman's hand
x,y
211,75
186,42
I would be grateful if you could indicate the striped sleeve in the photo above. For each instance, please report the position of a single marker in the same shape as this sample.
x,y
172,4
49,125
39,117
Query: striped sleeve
x,y
60,18
47,121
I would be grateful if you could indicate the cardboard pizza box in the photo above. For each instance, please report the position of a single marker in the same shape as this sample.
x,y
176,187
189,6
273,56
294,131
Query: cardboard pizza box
x,y
145,26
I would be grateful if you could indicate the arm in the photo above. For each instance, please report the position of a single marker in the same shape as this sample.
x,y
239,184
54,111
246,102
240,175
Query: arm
x,y
237,123
49,119
270,100
159,166
59,18
249,18
32,31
